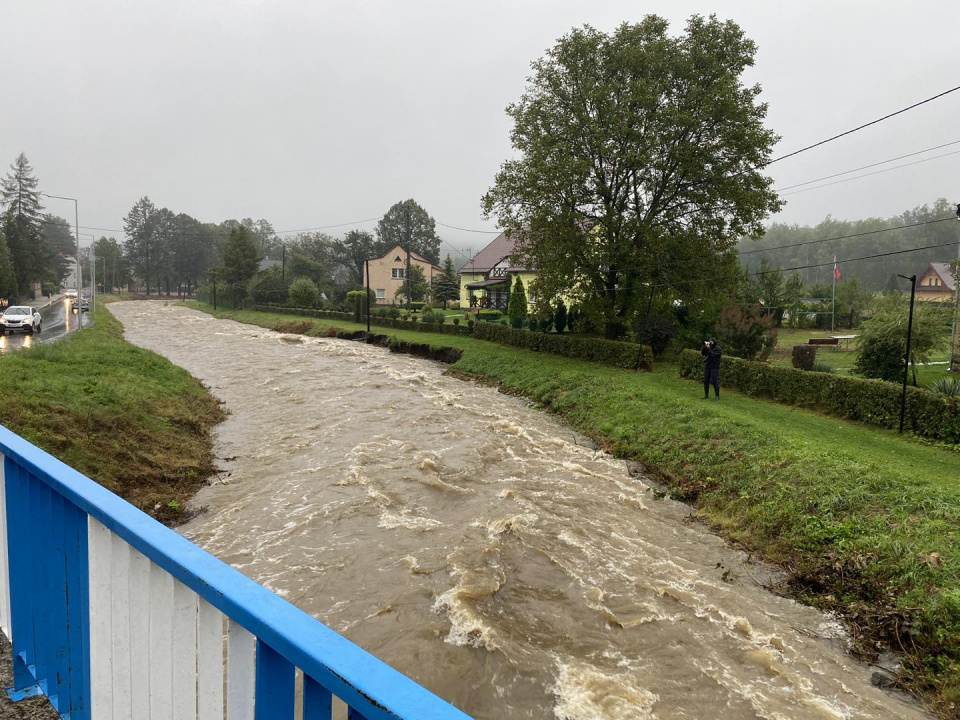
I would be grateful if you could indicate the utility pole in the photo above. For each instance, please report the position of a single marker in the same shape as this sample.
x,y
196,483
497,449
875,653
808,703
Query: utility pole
x,y
955,271
906,362
407,219
93,276
367,266
833,314
283,266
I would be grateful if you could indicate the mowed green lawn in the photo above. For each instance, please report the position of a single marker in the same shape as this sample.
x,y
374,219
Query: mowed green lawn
x,y
865,522
841,358
124,416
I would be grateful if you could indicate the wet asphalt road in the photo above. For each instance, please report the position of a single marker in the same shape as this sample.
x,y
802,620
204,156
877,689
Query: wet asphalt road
x,y
58,321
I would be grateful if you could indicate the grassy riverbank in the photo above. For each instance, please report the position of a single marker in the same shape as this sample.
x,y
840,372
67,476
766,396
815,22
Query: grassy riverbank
x,y
865,522
126,417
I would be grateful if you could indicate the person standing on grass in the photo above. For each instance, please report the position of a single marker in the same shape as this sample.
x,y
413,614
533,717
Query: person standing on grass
x,y
711,372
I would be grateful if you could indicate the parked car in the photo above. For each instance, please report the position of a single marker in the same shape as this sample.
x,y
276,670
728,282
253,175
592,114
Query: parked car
x,y
20,317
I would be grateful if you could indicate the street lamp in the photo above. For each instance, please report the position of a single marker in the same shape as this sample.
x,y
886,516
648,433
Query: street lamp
x,y
76,226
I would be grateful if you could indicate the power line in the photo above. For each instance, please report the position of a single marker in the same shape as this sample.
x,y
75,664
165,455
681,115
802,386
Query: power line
x,y
867,167
875,172
325,227
952,243
846,237
865,125
484,232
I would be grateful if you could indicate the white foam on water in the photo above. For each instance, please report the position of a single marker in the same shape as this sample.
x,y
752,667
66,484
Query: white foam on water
x,y
583,692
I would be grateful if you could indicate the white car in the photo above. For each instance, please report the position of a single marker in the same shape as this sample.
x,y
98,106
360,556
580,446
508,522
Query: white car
x,y
69,294
20,317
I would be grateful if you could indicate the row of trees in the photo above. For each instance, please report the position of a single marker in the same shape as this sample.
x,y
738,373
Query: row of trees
x,y
333,266
813,246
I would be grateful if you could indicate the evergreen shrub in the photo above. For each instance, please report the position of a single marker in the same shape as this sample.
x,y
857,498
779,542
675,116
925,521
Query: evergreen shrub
x,y
804,356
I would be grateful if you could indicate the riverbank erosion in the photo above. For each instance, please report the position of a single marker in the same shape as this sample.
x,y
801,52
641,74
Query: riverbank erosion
x,y
124,416
863,522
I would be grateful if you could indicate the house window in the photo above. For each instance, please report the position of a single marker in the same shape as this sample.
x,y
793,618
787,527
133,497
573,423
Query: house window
x,y
396,273
397,259
381,294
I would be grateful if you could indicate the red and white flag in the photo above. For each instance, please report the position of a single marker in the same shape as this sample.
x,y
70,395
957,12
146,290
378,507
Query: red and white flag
x,y
836,272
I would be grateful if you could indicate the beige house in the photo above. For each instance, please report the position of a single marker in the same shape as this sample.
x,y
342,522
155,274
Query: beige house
x,y
936,284
387,273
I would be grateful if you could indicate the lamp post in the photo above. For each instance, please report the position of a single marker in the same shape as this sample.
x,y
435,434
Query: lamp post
x,y
906,361
76,227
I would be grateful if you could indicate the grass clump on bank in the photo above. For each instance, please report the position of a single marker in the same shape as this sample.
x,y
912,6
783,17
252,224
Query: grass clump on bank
x,y
865,522
125,417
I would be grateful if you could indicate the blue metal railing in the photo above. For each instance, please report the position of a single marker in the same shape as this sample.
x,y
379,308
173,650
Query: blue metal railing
x,y
54,575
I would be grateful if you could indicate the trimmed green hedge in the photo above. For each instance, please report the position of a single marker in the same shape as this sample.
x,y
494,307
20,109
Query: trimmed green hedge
x,y
605,352
374,319
876,402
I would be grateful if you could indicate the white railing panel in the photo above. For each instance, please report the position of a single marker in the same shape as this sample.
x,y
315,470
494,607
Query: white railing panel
x,y
241,672
210,662
184,652
161,644
101,650
121,674
4,560
140,650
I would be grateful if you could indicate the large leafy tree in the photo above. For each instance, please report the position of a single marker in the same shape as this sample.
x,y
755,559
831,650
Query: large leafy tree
x,y
143,241
392,230
241,260
639,158
23,222
447,285
60,245
356,247
112,270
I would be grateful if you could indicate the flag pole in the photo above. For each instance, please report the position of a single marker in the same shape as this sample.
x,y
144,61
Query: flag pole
x,y
833,315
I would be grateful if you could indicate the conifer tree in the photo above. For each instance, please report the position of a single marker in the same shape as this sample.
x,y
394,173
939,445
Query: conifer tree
x,y
447,286
20,197
517,307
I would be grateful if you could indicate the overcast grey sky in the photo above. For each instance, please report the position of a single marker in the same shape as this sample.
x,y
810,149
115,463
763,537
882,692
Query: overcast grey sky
x,y
318,113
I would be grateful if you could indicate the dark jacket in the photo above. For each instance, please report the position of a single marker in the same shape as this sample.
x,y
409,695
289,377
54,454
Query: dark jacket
x,y
712,355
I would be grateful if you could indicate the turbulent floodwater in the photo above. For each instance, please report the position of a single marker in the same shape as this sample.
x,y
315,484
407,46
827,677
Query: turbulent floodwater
x,y
474,544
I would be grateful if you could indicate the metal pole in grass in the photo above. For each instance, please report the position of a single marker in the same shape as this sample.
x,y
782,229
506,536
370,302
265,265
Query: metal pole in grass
x,y
906,361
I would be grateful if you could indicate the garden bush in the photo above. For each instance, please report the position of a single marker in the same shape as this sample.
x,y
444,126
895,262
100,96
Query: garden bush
x,y
303,292
804,356
607,352
655,331
875,402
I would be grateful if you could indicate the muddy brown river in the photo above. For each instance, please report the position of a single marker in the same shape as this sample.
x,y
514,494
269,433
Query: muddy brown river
x,y
482,548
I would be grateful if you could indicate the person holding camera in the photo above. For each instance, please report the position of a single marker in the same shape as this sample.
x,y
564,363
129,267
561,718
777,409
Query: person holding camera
x,y
711,372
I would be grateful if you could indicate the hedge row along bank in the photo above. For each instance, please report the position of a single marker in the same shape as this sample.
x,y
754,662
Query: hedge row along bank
x,y
374,319
629,356
440,353
876,402
606,352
